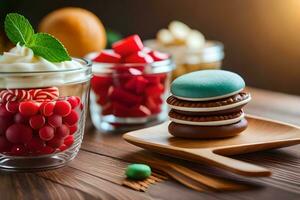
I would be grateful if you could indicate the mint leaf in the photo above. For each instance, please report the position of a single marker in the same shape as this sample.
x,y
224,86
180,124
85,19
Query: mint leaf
x,y
18,29
48,47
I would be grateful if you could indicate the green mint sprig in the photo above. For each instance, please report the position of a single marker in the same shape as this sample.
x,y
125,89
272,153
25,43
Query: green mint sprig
x,y
19,30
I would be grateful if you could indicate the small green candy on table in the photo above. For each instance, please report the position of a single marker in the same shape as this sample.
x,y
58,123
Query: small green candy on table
x,y
138,171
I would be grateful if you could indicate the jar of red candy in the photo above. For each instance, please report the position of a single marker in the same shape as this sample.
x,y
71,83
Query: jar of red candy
x,y
129,85
42,112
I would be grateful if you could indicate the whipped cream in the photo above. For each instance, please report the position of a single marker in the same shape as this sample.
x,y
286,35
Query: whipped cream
x,y
44,73
22,59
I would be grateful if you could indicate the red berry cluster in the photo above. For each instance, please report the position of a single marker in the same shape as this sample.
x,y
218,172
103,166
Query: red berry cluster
x,y
29,127
129,91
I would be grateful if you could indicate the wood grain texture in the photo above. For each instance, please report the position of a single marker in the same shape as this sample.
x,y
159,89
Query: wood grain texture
x,y
97,171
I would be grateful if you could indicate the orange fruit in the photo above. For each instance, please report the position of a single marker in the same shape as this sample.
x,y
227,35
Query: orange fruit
x,y
78,29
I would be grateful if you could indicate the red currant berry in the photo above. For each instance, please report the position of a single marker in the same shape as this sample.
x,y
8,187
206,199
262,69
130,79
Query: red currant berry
x,y
36,144
73,129
63,147
62,131
20,119
18,133
18,150
55,121
73,101
69,140
37,121
47,108
4,112
55,142
28,108
5,122
71,119
62,108
5,145
47,150
46,133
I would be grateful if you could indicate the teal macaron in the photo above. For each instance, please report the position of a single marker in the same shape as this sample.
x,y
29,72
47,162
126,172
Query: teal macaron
x,y
207,85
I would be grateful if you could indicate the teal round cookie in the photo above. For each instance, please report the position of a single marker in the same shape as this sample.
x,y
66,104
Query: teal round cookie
x,y
207,85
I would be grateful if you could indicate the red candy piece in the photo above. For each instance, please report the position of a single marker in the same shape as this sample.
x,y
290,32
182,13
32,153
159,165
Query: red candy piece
x,y
120,110
146,50
139,57
14,95
158,56
18,150
5,145
136,84
69,140
127,98
12,106
140,111
153,104
128,45
106,56
5,122
46,133
18,133
47,108
71,119
73,129
55,142
28,108
37,121
155,90
107,109
45,94
62,108
100,83
62,131
55,121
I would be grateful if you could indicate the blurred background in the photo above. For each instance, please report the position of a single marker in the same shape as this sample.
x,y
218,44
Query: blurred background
x,y
261,37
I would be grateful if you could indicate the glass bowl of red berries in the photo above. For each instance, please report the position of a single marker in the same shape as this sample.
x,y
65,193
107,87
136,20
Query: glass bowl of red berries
x,y
42,114
129,85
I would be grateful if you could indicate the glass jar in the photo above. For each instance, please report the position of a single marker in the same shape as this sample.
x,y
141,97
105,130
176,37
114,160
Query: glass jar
x,y
42,117
188,60
129,96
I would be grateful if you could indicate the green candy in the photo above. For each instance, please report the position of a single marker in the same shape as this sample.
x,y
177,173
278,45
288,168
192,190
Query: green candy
x,y
207,84
138,171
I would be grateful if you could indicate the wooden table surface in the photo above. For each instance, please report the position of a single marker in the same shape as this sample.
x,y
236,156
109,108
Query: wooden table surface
x,y
97,172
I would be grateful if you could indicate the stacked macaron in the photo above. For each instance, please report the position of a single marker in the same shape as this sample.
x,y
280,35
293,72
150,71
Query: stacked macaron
x,y
207,104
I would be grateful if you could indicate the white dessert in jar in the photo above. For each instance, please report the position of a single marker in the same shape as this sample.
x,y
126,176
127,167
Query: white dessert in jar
x,y
21,60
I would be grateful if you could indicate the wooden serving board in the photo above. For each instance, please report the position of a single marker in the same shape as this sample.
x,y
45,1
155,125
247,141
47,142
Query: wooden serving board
x,y
261,134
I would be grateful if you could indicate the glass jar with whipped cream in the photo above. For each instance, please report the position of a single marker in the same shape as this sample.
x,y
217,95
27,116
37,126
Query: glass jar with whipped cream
x,y
190,50
43,109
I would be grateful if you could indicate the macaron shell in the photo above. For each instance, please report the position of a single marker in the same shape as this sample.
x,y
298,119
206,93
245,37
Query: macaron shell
x,y
207,132
207,85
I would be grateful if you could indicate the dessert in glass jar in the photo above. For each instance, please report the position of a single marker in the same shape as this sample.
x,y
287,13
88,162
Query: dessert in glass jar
x,y
129,86
190,50
42,105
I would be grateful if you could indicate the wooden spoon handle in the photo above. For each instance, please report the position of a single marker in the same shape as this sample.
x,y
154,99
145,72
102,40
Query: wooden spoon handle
x,y
233,165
